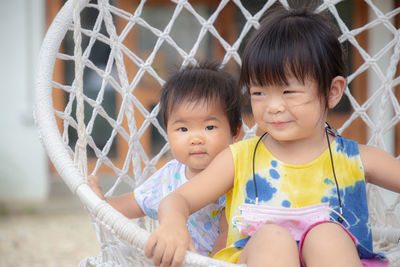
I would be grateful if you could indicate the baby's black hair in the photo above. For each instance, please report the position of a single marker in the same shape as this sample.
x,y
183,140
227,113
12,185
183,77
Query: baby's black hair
x,y
296,42
204,82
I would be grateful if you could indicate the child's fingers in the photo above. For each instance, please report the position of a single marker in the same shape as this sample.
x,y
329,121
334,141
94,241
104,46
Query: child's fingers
x,y
148,249
94,183
168,255
93,178
178,257
158,253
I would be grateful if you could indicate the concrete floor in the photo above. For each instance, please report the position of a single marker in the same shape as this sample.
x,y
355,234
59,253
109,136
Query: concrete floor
x,y
55,233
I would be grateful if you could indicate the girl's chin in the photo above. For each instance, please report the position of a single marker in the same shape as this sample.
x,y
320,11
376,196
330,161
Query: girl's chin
x,y
282,138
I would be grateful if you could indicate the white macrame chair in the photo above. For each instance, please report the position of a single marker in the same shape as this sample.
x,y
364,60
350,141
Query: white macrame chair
x,y
122,240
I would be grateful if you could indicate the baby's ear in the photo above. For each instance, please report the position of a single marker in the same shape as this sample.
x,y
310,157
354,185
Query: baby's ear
x,y
336,91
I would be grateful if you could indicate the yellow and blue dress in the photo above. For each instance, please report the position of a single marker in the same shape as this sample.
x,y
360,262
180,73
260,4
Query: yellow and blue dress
x,y
286,185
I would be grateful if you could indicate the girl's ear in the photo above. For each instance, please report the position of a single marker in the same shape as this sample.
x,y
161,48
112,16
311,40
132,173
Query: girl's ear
x,y
336,91
237,133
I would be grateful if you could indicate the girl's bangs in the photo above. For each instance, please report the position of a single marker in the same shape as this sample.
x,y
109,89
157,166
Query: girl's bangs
x,y
273,64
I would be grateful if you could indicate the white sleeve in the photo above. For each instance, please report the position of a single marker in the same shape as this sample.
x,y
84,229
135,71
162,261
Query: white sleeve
x,y
149,194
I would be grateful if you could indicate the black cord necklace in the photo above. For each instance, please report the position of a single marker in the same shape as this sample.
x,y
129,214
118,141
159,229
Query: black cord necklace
x,y
328,130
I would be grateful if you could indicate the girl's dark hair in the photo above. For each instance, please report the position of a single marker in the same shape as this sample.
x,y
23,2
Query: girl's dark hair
x,y
294,42
205,82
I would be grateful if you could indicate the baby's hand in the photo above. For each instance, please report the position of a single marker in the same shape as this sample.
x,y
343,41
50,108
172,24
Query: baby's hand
x,y
168,244
94,184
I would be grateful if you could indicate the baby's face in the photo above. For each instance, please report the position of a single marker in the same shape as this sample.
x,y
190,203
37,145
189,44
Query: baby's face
x,y
197,132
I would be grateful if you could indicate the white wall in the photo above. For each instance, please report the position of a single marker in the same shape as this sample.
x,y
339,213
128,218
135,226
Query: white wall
x,y
23,164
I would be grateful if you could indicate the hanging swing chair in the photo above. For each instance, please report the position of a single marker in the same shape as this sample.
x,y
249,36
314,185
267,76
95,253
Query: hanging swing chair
x,y
68,130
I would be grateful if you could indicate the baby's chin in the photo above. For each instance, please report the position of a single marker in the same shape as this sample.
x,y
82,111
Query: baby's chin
x,y
195,169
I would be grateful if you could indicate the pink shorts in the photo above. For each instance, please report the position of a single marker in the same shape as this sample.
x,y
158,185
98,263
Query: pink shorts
x,y
372,262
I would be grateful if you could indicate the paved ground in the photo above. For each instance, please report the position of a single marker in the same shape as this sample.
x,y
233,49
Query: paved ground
x,y
55,233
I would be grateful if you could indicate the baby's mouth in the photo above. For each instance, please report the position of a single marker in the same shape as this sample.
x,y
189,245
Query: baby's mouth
x,y
195,153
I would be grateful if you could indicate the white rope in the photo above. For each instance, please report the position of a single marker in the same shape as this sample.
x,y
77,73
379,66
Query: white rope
x,y
80,148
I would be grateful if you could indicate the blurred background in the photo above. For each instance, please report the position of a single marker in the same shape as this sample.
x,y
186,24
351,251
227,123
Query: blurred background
x,y
41,222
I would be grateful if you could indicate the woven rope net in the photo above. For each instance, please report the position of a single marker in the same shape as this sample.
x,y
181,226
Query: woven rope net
x,y
137,42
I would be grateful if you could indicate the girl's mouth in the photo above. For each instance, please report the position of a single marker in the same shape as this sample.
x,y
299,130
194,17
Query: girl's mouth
x,y
279,124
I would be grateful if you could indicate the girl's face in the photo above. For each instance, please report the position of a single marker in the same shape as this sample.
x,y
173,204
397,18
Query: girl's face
x,y
290,112
197,132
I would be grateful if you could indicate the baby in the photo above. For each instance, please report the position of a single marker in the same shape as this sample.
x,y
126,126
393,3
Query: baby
x,y
201,110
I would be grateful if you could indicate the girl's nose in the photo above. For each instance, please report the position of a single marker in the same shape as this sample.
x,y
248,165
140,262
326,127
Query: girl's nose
x,y
275,105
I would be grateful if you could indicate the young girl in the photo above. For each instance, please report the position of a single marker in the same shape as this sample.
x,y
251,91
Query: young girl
x,y
201,110
295,196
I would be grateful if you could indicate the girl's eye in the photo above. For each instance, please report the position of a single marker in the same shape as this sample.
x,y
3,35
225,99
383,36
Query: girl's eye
x,y
288,92
182,129
257,93
210,127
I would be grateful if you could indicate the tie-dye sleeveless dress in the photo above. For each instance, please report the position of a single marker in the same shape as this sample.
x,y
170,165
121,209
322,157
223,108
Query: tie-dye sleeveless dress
x,y
287,185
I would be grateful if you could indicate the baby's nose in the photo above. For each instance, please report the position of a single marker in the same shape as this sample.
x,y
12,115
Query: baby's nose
x,y
197,140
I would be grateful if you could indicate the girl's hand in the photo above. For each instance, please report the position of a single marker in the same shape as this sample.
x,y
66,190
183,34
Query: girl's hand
x,y
168,243
94,184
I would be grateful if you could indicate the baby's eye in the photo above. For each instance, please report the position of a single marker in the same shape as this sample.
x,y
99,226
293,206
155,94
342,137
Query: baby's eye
x,y
210,127
182,129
